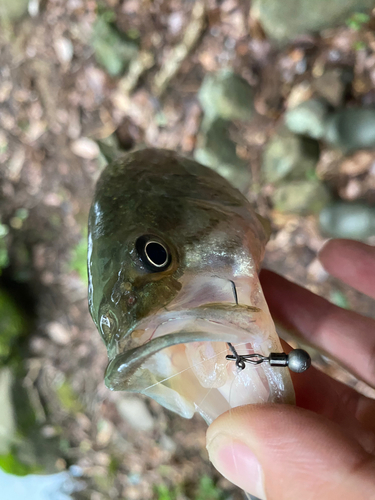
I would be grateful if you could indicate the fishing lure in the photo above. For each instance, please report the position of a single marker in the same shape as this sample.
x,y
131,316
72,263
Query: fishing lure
x,y
298,360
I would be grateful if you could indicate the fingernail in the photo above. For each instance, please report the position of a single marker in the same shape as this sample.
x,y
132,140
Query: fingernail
x,y
235,461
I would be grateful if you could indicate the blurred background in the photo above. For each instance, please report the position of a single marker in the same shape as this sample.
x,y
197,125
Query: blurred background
x,y
275,96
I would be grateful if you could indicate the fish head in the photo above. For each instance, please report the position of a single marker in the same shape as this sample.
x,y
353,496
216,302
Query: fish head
x,y
173,262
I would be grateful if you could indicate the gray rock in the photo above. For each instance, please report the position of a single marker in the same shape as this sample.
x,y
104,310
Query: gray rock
x,y
308,118
217,151
351,129
85,148
167,443
226,95
301,197
289,156
58,333
285,20
348,220
135,412
331,85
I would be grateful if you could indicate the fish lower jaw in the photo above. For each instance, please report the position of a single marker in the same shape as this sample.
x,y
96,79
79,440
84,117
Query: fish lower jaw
x,y
199,378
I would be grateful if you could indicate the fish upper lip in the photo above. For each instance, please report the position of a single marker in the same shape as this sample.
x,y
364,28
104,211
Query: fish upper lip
x,y
122,366
176,314
219,309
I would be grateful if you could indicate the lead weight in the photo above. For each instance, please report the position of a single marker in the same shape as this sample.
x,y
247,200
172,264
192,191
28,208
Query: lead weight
x,y
299,360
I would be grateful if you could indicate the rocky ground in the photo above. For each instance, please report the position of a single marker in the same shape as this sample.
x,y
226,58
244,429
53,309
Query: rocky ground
x,y
284,113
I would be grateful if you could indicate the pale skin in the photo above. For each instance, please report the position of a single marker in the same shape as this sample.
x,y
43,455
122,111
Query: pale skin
x,y
324,447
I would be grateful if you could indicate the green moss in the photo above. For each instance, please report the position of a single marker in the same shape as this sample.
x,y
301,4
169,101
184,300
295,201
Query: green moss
x,y
114,466
311,175
165,470
359,46
25,416
68,398
64,446
4,230
12,324
4,258
112,49
162,492
78,261
23,124
22,213
301,197
9,463
13,9
55,220
3,144
103,483
357,20
207,490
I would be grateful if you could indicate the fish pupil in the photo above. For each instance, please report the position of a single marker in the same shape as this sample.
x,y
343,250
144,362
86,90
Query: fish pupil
x,y
154,255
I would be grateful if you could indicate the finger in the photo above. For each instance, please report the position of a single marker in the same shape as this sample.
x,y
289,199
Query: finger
x,y
320,393
317,392
345,335
281,452
351,262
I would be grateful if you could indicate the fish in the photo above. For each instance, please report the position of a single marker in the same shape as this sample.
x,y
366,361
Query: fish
x,y
174,254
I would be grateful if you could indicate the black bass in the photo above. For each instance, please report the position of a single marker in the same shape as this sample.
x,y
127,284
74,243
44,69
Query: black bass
x,y
173,261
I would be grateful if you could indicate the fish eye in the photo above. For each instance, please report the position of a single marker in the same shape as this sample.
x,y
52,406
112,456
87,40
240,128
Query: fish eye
x,y
153,253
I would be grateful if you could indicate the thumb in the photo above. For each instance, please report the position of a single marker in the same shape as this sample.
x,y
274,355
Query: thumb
x,y
280,452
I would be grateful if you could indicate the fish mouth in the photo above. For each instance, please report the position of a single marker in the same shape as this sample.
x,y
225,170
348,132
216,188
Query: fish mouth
x,y
183,365
120,369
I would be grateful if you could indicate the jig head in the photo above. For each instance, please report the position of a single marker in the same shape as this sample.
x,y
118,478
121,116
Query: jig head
x,y
297,360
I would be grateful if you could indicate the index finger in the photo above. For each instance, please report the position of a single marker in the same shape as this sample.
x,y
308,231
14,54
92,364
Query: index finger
x,y
351,262
345,335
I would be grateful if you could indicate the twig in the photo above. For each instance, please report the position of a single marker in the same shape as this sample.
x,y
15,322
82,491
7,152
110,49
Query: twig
x,y
138,66
179,53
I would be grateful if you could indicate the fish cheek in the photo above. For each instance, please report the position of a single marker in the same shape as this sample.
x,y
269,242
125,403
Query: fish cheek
x,y
131,303
155,295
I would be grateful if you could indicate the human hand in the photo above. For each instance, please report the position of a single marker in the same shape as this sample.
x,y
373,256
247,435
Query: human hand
x,y
324,448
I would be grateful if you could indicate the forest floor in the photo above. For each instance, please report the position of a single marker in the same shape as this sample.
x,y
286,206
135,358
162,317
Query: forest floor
x,y
56,101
